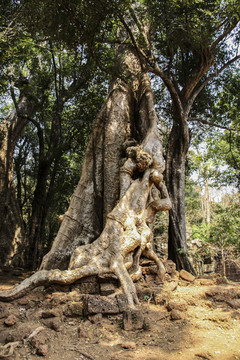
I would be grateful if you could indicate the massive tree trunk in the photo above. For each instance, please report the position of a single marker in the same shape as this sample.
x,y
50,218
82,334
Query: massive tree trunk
x,y
108,225
12,232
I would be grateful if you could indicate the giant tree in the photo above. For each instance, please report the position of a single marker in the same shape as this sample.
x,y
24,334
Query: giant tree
x,y
108,225
109,221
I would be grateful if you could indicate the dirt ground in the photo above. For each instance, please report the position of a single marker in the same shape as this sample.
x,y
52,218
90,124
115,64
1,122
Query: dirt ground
x,y
184,320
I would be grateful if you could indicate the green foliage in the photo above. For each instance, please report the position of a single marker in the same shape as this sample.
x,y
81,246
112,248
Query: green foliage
x,y
58,44
193,203
184,30
224,145
201,231
225,228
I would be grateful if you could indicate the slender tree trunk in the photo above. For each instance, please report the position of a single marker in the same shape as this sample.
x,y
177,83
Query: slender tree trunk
x,y
12,233
37,220
46,165
178,144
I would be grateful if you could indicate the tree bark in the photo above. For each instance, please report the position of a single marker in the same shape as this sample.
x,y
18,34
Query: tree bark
x,y
12,232
127,232
121,122
179,141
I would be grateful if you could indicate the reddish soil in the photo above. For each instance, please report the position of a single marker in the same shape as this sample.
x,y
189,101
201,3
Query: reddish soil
x,y
197,320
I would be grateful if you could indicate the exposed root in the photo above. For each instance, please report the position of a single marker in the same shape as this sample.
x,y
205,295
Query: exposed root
x,y
8,350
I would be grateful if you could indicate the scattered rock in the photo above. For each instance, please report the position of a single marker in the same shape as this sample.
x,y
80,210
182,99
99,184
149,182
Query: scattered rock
x,y
206,276
88,279
20,333
221,280
185,275
218,294
170,267
42,350
235,303
4,311
161,316
130,345
38,340
206,356
177,305
144,293
161,298
56,288
236,315
95,319
176,315
87,288
50,313
3,336
11,320
206,282
54,324
75,308
133,320
58,298
23,301
84,330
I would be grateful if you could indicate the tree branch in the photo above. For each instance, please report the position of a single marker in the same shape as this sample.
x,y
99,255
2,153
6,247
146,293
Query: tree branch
x,y
209,123
208,79
170,86
223,35
39,130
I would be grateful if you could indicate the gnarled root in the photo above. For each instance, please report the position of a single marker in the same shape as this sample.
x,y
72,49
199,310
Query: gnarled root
x,y
47,277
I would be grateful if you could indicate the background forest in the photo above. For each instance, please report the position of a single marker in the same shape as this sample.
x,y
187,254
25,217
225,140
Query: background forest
x,y
57,61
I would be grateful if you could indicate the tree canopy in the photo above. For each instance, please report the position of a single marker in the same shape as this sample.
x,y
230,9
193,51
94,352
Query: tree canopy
x,y
62,56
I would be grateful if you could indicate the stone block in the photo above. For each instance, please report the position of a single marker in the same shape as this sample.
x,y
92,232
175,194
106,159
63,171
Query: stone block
x,y
234,303
122,302
45,314
176,315
107,289
74,309
11,320
4,311
87,287
106,278
177,305
88,279
100,304
185,275
133,320
170,267
206,282
95,319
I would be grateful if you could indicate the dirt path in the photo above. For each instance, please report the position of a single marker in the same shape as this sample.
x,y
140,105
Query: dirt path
x,y
199,320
